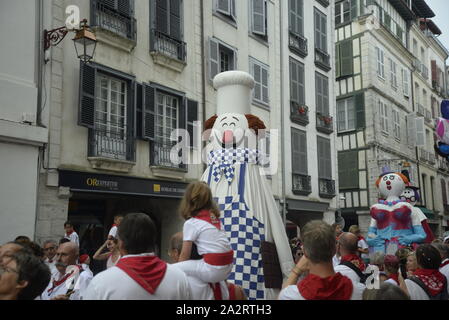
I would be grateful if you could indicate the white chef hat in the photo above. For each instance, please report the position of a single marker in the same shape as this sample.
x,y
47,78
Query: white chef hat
x,y
234,90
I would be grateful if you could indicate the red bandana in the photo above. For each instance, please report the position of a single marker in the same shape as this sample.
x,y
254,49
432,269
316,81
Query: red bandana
x,y
69,233
444,263
207,216
395,277
147,271
57,283
355,260
114,225
433,279
336,287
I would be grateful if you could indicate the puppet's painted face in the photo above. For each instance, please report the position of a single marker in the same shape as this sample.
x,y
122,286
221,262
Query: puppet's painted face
x,y
229,129
409,195
391,185
442,130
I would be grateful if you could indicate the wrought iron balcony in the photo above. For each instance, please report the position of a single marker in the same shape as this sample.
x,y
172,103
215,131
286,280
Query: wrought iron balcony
x,y
324,123
424,71
298,44
111,145
299,113
106,18
420,109
423,155
301,184
327,188
160,155
322,59
173,48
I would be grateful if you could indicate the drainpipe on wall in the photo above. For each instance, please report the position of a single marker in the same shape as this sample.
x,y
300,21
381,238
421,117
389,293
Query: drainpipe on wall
x,y
203,72
283,177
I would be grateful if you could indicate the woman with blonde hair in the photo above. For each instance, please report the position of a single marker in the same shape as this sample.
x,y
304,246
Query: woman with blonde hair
x,y
203,228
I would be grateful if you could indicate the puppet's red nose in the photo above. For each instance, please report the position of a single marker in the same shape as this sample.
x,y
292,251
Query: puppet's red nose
x,y
388,183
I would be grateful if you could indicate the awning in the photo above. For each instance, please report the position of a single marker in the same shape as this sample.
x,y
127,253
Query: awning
x,y
403,9
428,213
422,9
430,25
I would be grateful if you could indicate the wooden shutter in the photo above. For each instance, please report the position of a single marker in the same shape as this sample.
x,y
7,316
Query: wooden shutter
x,y
162,24
434,70
214,57
111,4
192,115
411,130
175,19
233,12
257,73
359,101
131,108
258,17
354,13
420,132
321,160
325,94
293,82
265,87
224,7
337,61
443,191
139,111
292,16
327,158
86,110
348,163
346,59
319,93
182,114
299,151
125,7
149,112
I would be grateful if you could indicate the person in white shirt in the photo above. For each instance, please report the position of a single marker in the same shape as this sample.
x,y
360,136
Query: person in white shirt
x,y
113,231
70,233
362,246
50,247
70,281
427,282
350,263
203,227
444,252
112,255
321,281
140,274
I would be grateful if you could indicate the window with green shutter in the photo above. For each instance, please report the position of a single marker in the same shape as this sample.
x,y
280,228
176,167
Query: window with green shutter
x,y
324,158
299,151
348,167
322,93
296,16
297,93
320,22
345,58
259,71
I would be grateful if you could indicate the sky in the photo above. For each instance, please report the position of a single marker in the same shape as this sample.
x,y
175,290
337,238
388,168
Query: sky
x,y
441,10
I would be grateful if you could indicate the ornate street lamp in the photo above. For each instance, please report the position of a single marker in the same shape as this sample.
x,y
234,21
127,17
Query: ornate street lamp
x,y
85,40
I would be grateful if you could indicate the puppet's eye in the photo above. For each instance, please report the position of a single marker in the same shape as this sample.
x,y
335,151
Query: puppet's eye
x,y
385,178
391,177
224,124
232,124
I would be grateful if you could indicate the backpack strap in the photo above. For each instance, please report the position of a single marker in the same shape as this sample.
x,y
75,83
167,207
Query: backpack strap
x,y
441,296
350,265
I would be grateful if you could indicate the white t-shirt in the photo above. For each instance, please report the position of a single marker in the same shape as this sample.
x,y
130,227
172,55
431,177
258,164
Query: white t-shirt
x,y
362,244
415,291
115,284
73,237
445,272
80,287
336,260
292,293
346,271
207,237
113,232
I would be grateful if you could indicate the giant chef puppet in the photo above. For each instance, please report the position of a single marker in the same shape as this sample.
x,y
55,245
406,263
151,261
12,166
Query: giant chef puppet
x,y
249,212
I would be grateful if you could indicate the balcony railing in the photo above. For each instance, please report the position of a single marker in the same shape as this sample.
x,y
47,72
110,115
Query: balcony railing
x,y
424,71
327,188
111,145
299,113
301,184
160,152
324,123
168,46
420,109
298,44
322,59
423,155
106,18
432,159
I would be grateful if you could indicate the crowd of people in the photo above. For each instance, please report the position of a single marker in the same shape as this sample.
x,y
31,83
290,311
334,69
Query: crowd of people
x,y
329,264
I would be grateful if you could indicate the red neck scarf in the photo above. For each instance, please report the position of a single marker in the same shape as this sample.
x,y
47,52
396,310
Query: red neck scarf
x,y
395,277
147,271
69,233
208,216
444,263
355,260
433,280
57,283
361,238
114,225
336,287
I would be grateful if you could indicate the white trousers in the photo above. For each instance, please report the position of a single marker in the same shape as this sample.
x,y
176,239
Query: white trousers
x,y
204,271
